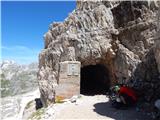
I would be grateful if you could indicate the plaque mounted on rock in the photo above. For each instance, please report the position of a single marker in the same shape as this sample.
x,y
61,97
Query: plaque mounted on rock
x,y
73,69
69,79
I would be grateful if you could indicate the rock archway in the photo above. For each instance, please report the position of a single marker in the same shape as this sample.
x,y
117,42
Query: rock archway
x,y
93,34
94,80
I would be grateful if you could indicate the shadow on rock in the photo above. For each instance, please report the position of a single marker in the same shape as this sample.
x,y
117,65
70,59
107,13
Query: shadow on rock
x,y
107,110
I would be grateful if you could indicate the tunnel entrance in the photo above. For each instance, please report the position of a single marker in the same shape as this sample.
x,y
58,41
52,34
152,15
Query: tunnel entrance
x,y
94,80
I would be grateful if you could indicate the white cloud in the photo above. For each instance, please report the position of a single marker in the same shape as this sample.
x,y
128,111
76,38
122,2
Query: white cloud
x,y
18,48
20,54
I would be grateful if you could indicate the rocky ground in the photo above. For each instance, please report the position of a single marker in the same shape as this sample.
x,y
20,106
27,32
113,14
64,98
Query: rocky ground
x,y
12,108
97,107
88,107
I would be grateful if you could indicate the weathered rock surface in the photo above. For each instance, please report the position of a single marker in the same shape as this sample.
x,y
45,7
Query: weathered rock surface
x,y
119,35
17,79
157,54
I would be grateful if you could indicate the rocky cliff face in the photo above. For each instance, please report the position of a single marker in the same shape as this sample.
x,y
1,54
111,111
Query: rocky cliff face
x,y
157,45
17,79
119,35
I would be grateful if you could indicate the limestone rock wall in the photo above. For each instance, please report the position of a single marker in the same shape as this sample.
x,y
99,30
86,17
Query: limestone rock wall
x,y
157,45
157,54
116,34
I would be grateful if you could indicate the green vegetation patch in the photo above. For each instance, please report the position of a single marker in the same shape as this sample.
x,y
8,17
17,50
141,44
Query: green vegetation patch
x,y
29,104
5,85
37,115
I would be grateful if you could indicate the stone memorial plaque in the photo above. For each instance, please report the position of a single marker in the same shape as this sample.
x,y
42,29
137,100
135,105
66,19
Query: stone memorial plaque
x,y
69,79
73,69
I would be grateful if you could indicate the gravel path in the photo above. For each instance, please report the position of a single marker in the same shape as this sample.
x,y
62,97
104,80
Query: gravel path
x,y
95,107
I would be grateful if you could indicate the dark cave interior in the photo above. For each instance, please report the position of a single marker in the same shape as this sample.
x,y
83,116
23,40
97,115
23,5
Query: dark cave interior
x,y
94,80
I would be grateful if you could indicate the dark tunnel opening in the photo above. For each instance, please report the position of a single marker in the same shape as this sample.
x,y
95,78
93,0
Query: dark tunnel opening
x,y
94,80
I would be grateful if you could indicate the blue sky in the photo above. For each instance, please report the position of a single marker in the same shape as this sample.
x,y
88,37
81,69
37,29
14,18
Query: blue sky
x,y
23,25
